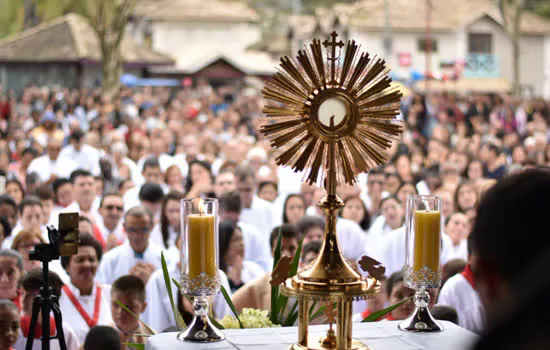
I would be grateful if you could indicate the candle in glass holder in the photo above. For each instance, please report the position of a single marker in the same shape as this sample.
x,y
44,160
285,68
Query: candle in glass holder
x,y
427,239
201,245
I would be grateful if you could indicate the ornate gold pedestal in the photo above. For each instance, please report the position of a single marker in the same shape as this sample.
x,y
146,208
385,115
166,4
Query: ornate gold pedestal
x,y
334,121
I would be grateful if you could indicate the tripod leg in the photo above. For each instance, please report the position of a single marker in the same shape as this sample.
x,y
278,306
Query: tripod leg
x,y
59,325
36,305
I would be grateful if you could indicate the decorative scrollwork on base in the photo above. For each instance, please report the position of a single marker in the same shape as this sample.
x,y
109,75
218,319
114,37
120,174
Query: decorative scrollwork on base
x,y
202,284
425,277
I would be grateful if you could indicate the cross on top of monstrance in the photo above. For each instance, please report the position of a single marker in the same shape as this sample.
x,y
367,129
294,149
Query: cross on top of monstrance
x,y
332,130
333,45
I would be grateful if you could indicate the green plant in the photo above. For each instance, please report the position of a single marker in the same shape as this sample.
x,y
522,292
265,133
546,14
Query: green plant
x,y
376,316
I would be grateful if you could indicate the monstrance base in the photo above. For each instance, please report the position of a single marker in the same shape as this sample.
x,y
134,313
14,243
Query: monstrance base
x,y
201,330
315,344
421,321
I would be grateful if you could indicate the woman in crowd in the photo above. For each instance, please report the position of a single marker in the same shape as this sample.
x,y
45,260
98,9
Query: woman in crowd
x,y
24,243
231,257
268,191
167,232
456,227
83,302
14,188
405,190
200,179
465,197
356,211
294,208
174,178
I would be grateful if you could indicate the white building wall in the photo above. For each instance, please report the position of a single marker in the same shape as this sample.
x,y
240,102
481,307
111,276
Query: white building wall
x,y
407,42
192,40
546,88
531,63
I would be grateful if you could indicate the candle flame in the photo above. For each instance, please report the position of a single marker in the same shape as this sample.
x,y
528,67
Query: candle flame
x,y
201,206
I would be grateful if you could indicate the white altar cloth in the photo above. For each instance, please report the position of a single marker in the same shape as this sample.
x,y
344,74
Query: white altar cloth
x,y
378,336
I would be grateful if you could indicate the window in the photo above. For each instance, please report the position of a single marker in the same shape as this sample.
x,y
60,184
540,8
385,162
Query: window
x,y
480,43
422,45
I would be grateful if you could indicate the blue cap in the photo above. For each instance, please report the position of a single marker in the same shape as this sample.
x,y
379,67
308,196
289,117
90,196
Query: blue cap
x,y
48,116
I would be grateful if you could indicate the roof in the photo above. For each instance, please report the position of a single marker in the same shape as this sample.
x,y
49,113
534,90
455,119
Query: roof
x,y
196,10
71,38
250,63
447,15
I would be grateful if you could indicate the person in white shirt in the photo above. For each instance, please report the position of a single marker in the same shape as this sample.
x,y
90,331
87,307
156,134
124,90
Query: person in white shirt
x,y
30,212
84,195
158,150
84,302
158,313
255,211
375,191
85,156
256,247
459,292
166,233
30,286
151,174
456,227
124,167
224,182
137,256
109,222
63,197
231,249
51,165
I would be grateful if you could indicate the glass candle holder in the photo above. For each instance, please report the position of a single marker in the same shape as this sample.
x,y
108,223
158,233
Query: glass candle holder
x,y
199,265
422,262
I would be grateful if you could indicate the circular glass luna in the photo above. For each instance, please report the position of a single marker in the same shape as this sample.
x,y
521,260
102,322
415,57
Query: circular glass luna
x,y
332,111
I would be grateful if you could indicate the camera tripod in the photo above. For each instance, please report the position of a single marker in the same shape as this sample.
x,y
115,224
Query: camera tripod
x,y
46,301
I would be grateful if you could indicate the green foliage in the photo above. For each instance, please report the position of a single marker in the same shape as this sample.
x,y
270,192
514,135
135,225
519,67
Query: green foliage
x,y
167,282
135,316
275,289
231,306
137,346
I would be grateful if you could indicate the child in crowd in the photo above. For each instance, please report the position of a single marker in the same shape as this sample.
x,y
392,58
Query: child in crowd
x,y
9,324
31,283
102,338
11,269
397,291
130,291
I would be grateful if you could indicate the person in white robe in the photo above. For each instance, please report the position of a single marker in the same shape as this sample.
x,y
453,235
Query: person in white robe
x,y
84,302
109,221
151,173
51,166
85,156
255,212
459,292
456,227
159,314
30,284
137,256
256,245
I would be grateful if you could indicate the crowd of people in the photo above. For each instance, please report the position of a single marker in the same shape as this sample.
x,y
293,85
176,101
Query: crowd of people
x,y
124,163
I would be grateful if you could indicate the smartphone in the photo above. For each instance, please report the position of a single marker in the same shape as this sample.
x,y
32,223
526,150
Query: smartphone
x,y
68,228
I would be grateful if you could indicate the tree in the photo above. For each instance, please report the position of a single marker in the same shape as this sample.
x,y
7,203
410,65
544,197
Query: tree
x,y
511,11
109,19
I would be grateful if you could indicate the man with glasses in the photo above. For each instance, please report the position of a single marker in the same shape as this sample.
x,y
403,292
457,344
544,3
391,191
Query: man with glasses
x,y
137,256
109,223
375,191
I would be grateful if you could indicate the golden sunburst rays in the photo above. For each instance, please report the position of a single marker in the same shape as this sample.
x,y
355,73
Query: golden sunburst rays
x,y
323,101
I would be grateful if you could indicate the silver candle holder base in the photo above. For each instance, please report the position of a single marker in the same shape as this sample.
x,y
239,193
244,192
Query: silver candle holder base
x,y
201,330
421,321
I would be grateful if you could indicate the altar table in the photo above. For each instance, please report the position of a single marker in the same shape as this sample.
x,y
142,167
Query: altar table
x,y
377,335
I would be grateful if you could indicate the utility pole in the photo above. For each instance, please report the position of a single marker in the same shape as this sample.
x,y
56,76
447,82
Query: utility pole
x,y
388,44
429,45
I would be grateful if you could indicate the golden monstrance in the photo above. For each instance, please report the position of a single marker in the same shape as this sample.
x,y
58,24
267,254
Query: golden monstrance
x,y
332,116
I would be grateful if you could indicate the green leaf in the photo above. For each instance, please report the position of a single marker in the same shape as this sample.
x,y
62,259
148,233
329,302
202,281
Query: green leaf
x,y
274,315
137,346
216,323
375,316
231,306
176,283
283,299
311,308
167,282
135,316
292,316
